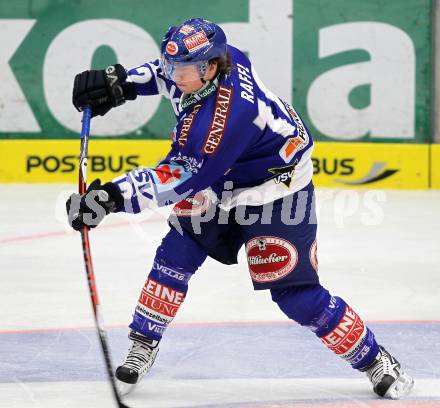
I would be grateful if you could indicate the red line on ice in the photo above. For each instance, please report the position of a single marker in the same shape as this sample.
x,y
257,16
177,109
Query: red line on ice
x,y
51,234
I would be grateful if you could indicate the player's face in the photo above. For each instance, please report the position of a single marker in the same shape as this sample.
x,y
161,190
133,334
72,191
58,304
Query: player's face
x,y
187,78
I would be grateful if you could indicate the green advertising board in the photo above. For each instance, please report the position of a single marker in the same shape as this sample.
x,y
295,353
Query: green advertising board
x,y
363,69
355,70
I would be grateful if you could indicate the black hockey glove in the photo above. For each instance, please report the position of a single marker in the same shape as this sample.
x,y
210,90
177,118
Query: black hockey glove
x,y
90,208
102,89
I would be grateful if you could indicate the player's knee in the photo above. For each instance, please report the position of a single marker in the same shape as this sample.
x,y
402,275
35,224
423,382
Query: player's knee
x,y
176,260
180,252
304,304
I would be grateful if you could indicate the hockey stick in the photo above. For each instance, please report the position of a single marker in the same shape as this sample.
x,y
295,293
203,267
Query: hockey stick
x,y
82,187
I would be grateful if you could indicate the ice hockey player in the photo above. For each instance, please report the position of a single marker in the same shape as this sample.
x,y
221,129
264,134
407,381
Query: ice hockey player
x,y
239,172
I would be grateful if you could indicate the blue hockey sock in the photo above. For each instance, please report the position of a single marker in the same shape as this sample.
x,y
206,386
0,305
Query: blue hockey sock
x,y
177,258
331,319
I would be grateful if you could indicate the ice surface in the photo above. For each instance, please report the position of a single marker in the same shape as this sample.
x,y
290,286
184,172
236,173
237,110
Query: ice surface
x,y
229,346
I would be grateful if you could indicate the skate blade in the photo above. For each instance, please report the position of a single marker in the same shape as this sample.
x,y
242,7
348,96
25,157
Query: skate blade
x,y
124,388
402,386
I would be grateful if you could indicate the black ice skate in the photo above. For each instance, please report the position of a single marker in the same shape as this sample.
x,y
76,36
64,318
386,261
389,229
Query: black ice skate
x,y
138,362
387,377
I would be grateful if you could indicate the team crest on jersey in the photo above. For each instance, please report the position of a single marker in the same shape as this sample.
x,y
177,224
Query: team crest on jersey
x,y
196,41
284,174
270,258
172,48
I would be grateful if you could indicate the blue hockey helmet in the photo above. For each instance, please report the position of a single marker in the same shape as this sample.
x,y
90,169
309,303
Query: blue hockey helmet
x,y
195,42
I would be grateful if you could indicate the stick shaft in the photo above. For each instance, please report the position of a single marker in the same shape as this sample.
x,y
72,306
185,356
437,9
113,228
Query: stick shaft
x,y
82,187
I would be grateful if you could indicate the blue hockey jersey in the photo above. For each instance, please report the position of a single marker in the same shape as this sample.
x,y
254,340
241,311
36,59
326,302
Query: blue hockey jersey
x,y
234,133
